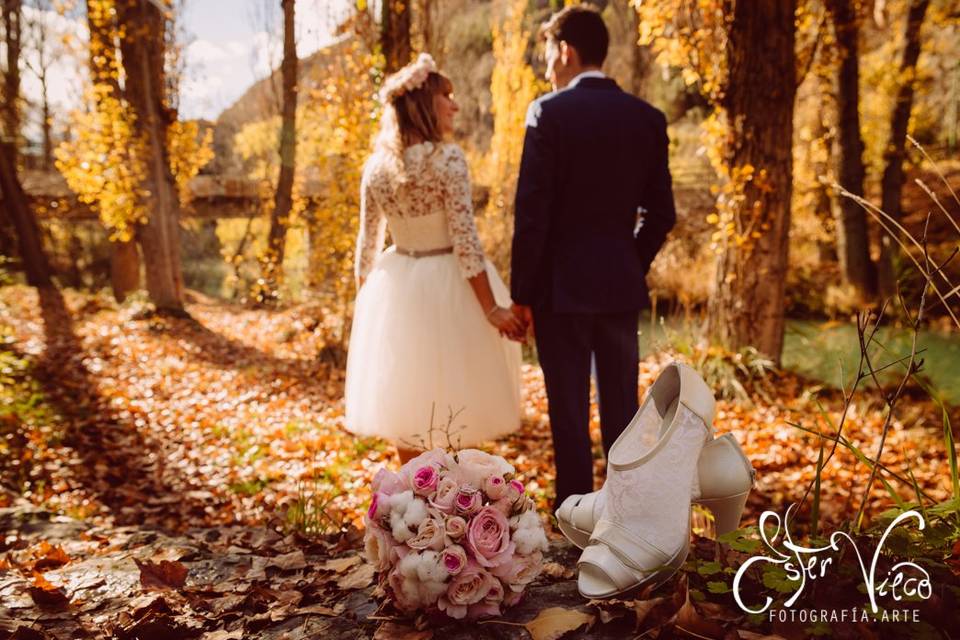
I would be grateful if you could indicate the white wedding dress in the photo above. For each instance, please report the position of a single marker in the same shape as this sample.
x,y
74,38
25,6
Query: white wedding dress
x,y
420,342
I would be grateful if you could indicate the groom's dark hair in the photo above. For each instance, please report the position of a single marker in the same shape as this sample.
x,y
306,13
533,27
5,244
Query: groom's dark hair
x,y
581,27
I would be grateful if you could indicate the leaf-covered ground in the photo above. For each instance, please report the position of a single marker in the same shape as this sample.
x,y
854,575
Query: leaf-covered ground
x,y
214,441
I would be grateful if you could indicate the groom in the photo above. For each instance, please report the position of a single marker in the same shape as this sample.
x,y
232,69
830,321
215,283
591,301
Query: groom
x,y
594,205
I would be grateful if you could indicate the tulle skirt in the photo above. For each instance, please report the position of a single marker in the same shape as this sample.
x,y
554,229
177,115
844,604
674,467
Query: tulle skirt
x,y
421,348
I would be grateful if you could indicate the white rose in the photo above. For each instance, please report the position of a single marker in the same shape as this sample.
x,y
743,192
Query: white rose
x,y
476,466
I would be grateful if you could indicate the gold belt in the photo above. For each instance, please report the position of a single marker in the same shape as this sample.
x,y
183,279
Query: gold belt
x,y
424,253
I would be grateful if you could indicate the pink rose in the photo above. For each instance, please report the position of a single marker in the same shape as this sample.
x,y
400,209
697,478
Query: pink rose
x,y
488,537
490,605
476,466
469,500
447,489
469,587
429,535
455,527
513,498
495,487
520,570
388,483
454,559
436,458
374,503
380,548
515,489
425,480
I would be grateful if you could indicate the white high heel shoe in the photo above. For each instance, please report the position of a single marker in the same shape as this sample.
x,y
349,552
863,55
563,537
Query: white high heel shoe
x,y
642,536
725,478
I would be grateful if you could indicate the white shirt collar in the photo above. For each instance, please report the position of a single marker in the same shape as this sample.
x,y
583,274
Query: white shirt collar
x,y
585,74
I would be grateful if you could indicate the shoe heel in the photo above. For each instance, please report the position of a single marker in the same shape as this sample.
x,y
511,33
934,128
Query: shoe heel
x,y
726,511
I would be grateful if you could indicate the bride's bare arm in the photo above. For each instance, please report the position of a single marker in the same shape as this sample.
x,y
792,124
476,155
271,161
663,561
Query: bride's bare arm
x,y
500,317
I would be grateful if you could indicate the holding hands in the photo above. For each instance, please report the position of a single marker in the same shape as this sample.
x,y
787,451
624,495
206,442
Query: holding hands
x,y
513,322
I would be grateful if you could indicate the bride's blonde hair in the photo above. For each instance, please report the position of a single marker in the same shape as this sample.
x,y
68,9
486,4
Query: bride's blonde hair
x,y
409,115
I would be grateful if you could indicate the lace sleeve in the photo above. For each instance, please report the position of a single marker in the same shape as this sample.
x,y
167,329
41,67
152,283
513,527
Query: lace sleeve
x,y
372,233
459,209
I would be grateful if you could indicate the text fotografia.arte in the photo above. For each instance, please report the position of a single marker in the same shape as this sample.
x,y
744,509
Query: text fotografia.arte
x,y
905,581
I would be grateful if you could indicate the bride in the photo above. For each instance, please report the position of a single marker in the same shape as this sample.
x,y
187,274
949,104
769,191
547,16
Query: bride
x,y
433,335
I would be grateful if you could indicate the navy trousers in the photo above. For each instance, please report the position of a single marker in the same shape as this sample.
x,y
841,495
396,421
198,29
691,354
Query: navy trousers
x,y
565,344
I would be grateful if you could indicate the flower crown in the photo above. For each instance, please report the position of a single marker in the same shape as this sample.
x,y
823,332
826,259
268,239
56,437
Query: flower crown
x,y
408,78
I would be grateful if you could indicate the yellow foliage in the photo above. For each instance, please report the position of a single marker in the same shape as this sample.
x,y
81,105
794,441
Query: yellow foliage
x,y
188,153
688,35
340,123
103,163
513,86
335,127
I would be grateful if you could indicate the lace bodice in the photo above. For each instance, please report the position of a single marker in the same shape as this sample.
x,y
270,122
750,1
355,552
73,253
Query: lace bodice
x,y
432,209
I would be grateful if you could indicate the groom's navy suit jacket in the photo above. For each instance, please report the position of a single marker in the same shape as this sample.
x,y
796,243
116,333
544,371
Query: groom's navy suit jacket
x,y
592,156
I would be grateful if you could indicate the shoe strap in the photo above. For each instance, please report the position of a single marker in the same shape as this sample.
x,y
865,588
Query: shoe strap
x,y
582,515
620,575
630,549
578,510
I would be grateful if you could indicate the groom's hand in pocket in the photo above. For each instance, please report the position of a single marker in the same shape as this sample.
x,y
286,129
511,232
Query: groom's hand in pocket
x,y
525,315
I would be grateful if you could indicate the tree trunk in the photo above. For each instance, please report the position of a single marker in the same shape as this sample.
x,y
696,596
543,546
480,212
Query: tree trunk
x,y
395,34
853,244
124,268
23,220
103,46
46,125
124,256
142,50
892,182
283,201
12,31
748,305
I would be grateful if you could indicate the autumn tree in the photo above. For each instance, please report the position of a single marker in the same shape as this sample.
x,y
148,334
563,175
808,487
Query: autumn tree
x,y
16,210
129,158
142,28
283,201
11,17
893,175
742,55
104,65
46,50
395,22
853,245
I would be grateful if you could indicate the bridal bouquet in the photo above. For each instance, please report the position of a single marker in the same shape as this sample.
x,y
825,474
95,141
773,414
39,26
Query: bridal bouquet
x,y
454,533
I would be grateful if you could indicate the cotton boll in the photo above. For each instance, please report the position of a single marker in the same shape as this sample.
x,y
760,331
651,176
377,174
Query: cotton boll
x,y
411,592
530,539
398,527
416,512
406,514
525,520
409,565
431,591
399,501
430,568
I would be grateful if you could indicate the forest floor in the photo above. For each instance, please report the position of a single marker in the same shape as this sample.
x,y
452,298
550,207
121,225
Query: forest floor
x,y
189,477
